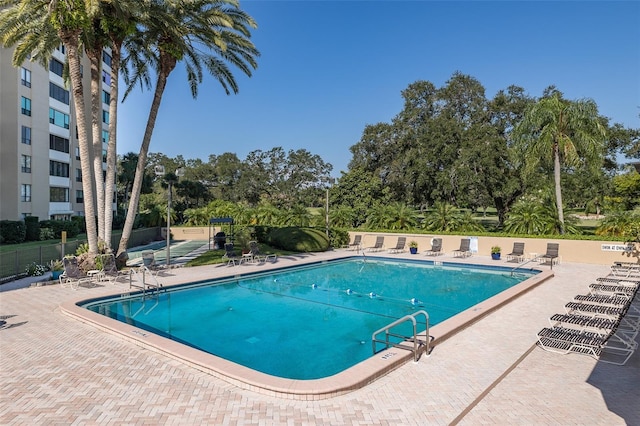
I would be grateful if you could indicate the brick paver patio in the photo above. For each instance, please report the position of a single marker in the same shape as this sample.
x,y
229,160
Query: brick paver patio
x,y
57,370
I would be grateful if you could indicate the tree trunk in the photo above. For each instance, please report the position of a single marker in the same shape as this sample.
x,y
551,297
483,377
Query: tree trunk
x,y
556,175
95,58
70,41
110,181
166,66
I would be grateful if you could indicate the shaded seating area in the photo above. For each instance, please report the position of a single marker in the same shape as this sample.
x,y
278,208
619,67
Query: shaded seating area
x,y
436,247
378,246
517,253
400,245
464,250
602,324
355,244
73,276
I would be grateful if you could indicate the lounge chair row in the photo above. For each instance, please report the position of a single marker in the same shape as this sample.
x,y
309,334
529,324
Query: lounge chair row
x,y
73,276
253,256
602,324
517,255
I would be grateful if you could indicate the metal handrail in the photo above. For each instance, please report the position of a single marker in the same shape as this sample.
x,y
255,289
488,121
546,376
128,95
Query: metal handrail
x,y
417,344
522,264
144,286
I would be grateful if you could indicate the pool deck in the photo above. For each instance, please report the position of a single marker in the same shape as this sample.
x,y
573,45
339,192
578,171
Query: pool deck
x,y
57,370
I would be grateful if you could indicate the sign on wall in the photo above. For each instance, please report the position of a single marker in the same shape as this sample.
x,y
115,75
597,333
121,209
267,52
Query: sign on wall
x,y
616,247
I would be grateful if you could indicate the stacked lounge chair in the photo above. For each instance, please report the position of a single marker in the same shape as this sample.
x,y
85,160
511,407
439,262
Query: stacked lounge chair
x,y
603,324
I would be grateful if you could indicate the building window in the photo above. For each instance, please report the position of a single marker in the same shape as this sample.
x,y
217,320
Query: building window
x,y
57,168
105,117
26,135
60,48
25,105
77,153
58,93
25,163
106,58
25,77
56,67
104,156
58,143
106,97
105,136
78,175
58,118
79,196
25,192
58,195
106,77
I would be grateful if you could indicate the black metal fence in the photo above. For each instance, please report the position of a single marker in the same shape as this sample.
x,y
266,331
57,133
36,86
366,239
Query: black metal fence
x,y
13,264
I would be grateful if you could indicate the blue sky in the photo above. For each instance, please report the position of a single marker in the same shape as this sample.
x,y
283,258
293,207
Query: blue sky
x,y
329,68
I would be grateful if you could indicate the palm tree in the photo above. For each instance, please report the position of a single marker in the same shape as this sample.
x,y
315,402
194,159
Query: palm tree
x,y
443,217
178,31
36,27
562,132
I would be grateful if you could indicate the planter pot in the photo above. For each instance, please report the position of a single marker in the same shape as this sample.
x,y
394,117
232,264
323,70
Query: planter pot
x,y
495,256
413,250
55,275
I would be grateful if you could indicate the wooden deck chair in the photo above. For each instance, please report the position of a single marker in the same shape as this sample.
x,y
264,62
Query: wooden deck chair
x,y
436,247
399,248
517,254
465,248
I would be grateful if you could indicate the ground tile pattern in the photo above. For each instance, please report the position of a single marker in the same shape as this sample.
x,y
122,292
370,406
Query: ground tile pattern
x,y
57,370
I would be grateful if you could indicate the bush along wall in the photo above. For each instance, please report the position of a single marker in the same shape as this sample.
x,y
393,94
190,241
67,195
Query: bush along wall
x,y
12,231
298,239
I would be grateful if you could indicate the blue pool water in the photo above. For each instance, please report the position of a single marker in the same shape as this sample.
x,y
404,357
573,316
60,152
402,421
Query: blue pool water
x,y
307,322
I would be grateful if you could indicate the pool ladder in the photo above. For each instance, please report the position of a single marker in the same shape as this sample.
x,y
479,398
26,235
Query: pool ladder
x,y
417,347
141,282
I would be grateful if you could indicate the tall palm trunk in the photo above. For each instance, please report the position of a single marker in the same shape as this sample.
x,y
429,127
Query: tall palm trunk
x,y
167,64
556,175
70,41
95,58
110,180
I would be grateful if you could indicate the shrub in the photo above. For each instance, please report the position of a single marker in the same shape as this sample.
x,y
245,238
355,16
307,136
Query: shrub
x,y
12,231
61,225
338,237
298,239
35,270
46,234
32,228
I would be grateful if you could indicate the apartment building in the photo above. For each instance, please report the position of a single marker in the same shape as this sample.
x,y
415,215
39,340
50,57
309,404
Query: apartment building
x,y
39,155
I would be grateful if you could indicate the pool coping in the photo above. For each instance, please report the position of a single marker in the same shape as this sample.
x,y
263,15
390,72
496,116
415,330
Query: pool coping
x,y
346,381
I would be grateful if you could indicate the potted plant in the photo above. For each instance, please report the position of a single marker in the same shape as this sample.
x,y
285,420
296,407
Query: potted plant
x,y
56,267
413,247
495,252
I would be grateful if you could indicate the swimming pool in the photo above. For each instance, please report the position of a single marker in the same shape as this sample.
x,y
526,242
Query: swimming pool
x,y
308,322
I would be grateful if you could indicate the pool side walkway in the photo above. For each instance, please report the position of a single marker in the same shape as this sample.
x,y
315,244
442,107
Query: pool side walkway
x,y
57,370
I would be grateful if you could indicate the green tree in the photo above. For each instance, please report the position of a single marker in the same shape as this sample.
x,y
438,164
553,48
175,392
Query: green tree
x,y
561,132
443,217
201,34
